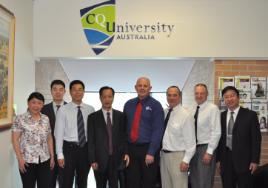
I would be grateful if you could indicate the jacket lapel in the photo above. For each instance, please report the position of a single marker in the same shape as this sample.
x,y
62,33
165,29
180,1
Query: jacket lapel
x,y
51,109
224,124
238,118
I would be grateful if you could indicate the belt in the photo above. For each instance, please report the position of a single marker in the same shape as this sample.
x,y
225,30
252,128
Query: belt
x,y
200,145
71,144
138,144
167,151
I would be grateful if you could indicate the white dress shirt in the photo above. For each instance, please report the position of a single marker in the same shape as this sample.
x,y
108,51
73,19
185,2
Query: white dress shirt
x,y
66,124
180,133
208,126
55,106
229,116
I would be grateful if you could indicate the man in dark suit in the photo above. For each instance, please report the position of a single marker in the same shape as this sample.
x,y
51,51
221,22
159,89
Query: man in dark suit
x,y
240,143
57,88
107,140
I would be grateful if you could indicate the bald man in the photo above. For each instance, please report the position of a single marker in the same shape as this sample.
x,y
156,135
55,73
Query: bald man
x,y
145,126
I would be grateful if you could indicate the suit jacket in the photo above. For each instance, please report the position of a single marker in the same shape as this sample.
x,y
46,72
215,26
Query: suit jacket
x,y
49,111
246,140
98,138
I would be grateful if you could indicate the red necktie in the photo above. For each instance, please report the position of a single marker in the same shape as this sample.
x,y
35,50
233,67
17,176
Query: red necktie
x,y
134,134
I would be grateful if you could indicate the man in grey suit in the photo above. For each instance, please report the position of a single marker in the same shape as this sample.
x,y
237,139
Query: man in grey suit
x,y
107,140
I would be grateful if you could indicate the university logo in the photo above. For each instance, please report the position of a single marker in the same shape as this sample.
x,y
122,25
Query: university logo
x,y
98,23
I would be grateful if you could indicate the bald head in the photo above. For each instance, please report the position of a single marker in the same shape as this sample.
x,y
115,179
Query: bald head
x,y
143,87
143,79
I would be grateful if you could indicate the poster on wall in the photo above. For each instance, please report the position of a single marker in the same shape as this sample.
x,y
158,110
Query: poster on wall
x,y
267,88
7,33
245,96
260,107
258,87
225,81
242,83
245,104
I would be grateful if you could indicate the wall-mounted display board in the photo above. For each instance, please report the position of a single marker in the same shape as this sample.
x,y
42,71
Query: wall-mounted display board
x,y
252,93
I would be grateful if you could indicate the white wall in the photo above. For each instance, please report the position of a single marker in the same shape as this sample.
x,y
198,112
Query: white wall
x,y
24,83
206,28
122,74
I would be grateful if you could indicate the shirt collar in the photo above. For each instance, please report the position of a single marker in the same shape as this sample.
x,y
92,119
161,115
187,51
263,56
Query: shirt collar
x,y
82,105
203,104
143,100
105,111
29,115
55,105
176,107
235,110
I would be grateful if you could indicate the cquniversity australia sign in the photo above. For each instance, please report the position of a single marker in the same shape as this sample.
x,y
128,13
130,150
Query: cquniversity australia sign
x,y
101,28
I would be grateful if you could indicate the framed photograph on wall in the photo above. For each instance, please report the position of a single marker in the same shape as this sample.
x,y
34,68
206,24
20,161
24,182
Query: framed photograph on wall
x,y
7,39
258,87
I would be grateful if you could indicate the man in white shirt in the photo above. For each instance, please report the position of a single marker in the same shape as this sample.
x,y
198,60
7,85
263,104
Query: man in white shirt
x,y
71,137
208,133
178,142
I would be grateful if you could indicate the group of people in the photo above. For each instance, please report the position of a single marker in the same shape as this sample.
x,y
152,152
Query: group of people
x,y
60,142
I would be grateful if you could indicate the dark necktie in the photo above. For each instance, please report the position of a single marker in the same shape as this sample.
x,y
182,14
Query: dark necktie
x,y
230,131
195,121
57,107
110,135
134,133
167,117
80,128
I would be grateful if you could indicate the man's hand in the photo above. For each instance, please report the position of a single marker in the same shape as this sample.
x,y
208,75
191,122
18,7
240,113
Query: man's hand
x,y
52,163
207,158
61,163
184,166
149,159
218,167
253,167
126,158
95,166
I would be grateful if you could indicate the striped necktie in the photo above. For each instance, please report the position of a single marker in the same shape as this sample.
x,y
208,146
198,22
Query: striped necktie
x,y
80,128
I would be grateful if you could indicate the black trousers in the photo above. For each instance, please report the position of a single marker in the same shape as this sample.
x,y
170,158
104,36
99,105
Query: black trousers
x,y
39,173
76,163
232,179
122,178
110,174
139,175
55,177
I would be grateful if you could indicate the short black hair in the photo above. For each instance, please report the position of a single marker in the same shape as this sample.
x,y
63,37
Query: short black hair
x,y
176,87
76,82
202,85
227,88
104,88
57,82
36,95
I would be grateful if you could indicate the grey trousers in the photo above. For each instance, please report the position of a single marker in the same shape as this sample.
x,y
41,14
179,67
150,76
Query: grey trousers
x,y
201,175
171,176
